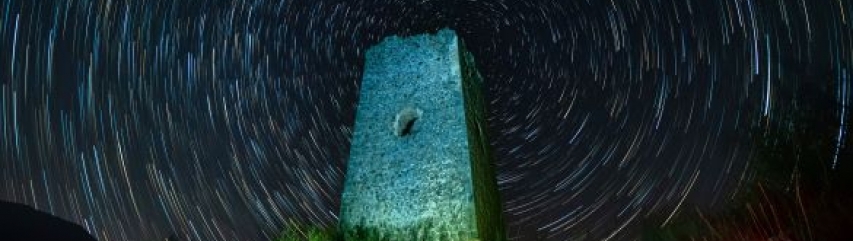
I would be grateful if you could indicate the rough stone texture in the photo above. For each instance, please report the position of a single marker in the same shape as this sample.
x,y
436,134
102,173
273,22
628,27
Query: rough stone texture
x,y
420,183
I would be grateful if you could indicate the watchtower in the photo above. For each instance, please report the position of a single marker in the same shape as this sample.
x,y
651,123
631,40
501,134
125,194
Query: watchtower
x,y
420,165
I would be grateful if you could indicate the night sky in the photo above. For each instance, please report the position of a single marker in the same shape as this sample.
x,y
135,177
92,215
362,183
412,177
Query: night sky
x,y
224,119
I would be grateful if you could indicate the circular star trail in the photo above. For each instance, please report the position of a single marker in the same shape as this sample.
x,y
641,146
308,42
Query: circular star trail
x,y
226,120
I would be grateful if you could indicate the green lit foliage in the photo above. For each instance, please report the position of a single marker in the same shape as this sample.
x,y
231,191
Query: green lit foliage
x,y
302,232
429,229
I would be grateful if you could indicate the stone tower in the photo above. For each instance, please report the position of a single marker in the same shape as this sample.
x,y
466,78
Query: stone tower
x,y
420,166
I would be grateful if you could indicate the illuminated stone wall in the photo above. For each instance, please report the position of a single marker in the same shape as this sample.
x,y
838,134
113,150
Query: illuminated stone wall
x,y
417,136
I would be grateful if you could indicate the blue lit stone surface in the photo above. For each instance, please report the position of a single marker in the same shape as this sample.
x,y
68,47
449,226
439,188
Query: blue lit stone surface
x,y
417,181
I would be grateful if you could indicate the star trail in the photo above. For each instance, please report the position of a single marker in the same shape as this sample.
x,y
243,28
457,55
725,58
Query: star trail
x,y
226,120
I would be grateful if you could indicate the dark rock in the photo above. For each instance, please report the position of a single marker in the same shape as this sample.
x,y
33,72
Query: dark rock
x,y
20,222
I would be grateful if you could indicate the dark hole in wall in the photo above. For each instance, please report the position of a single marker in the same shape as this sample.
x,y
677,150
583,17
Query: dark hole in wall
x,y
407,128
404,121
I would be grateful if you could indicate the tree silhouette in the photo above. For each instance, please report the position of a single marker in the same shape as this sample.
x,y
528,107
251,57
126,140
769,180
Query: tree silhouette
x,y
796,191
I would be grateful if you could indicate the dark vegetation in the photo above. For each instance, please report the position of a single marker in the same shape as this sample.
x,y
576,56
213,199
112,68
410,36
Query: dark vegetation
x,y
795,192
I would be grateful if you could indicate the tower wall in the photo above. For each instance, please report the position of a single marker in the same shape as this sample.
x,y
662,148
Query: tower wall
x,y
409,174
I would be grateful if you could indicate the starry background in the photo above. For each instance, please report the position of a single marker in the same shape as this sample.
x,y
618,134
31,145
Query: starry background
x,y
225,119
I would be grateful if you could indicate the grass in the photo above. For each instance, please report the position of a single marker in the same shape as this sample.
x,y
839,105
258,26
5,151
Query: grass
x,y
426,230
301,232
429,229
